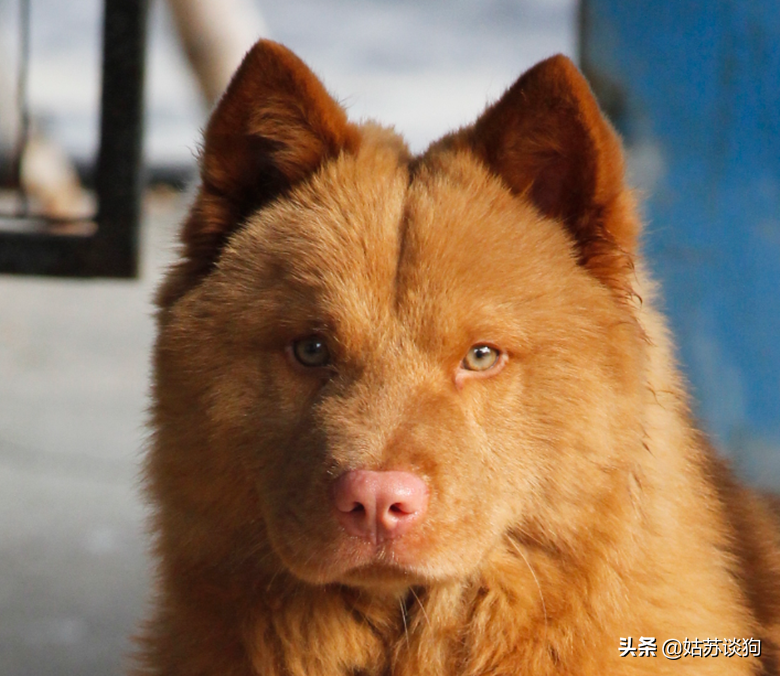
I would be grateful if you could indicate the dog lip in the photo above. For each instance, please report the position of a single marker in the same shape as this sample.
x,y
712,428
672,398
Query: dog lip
x,y
364,568
357,554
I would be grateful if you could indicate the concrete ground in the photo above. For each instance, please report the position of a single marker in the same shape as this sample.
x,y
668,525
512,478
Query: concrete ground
x,y
74,359
74,355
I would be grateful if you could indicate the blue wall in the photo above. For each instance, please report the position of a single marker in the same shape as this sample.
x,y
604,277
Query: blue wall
x,y
694,87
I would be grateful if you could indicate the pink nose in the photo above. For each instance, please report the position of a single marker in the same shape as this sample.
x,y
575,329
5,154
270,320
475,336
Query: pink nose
x,y
379,506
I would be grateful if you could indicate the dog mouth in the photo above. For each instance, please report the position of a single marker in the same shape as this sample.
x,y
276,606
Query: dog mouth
x,y
362,562
388,565
383,575
354,561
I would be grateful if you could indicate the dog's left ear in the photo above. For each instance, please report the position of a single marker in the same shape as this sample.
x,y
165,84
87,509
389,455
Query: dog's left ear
x,y
549,142
274,127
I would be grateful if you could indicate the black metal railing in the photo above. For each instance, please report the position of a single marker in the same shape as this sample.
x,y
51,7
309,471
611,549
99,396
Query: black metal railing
x,y
108,245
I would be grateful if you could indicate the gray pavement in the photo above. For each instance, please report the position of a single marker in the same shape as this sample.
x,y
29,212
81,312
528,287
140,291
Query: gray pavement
x,y
74,362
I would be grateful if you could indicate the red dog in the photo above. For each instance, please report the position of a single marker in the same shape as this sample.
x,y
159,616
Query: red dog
x,y
411,417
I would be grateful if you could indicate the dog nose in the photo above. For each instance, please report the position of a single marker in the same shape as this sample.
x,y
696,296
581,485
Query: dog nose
x,y
379,506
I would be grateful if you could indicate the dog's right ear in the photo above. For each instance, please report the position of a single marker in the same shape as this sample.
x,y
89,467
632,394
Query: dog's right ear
x,y
547,139
273,127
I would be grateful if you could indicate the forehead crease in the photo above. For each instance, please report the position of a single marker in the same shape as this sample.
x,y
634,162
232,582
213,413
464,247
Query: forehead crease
x,y
443,235
465,254
341,240
463,220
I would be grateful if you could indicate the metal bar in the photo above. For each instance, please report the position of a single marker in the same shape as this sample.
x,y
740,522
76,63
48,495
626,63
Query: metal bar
x,y
119,178
60,256
113,250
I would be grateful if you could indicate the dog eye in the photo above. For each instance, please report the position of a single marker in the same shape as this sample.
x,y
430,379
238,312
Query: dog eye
x,y
311,351
480,358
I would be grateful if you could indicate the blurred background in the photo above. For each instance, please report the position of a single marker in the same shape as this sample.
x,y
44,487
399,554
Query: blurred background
x,y
693,91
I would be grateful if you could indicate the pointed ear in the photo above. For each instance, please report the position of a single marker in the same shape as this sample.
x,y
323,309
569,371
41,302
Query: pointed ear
x,y
273,127
548,140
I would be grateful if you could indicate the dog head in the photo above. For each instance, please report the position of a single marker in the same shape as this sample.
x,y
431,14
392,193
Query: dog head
x,y
373,368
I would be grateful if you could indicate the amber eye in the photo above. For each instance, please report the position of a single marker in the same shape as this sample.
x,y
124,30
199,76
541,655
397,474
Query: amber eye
x,y
480,358
311,351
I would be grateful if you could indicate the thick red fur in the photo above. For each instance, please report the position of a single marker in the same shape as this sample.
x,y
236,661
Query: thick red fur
x,y
462,330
